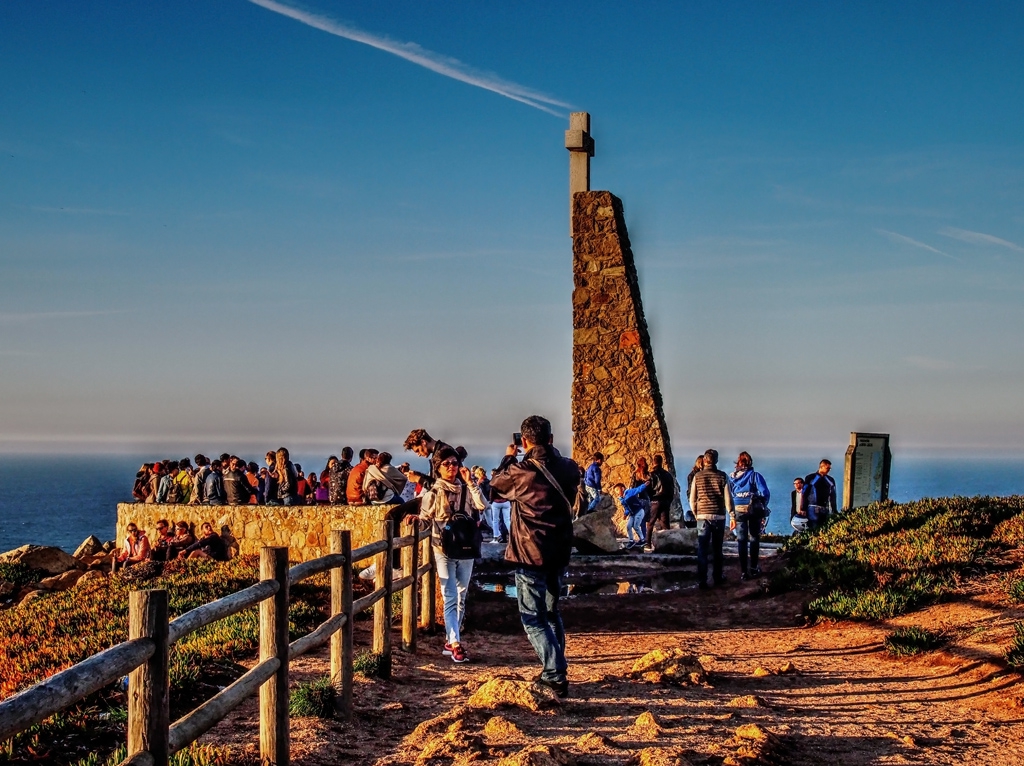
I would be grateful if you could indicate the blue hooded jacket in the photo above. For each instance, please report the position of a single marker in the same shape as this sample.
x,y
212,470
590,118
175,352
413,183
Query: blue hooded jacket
x,y
745,483
632,501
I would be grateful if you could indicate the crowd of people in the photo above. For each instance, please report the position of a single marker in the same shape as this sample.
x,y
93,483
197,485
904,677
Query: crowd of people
x,y
528,503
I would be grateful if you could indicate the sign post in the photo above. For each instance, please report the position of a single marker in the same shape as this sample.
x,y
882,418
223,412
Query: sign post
x,y
866,477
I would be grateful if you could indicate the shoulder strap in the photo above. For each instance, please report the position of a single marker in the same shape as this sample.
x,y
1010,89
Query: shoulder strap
x,y
547,475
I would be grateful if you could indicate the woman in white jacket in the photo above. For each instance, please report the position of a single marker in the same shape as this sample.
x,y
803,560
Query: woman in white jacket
x,y
452,492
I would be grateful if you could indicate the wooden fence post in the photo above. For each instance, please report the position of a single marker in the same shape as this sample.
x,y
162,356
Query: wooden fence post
x,y
410,562
148,693
274,747
382,609
341,641
428,607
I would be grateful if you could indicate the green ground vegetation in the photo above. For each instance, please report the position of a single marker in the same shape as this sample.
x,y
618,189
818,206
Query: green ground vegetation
x,y
315,698
47,635
910,640
889,558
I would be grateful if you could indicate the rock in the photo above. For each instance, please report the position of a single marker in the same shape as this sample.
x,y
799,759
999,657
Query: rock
x,y
90,547
28,596
595,743
752,744
455,745
750,700
61,582
109,546
646,726
760,672
91,576
676,541
539,755
7,589
662,756
499,729
432,726
507,692
596,533
675,666
787,668
51,560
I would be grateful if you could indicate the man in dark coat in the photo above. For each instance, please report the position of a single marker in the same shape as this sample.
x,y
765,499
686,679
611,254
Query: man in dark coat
x,y
541,489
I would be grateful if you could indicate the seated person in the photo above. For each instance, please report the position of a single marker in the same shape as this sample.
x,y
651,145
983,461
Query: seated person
x,y
136,547
383,483
182,539
164,537
208,546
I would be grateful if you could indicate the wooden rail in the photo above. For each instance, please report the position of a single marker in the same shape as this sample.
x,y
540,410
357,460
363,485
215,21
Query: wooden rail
x,y
152,738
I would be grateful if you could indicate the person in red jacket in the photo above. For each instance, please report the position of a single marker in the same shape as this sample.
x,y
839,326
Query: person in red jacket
x,y
354,490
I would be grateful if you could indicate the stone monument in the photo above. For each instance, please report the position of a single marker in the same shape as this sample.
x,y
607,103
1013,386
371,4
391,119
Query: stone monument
x,y
616,402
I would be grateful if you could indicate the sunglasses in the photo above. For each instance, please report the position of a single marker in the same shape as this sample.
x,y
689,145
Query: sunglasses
x,y
450,462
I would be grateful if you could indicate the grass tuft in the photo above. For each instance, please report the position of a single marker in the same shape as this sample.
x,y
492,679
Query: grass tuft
x,y
1015,590
1015,652
315,698
911,640
368,663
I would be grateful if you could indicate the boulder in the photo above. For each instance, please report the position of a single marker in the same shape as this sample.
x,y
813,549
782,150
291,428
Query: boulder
x,y
508,692
670,666
91,576
596,533
7,589
61,582
90,547
109,545
675,541
663,756
51,560
29,596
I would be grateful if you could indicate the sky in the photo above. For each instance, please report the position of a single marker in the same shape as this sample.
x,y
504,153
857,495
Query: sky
x,y
257,223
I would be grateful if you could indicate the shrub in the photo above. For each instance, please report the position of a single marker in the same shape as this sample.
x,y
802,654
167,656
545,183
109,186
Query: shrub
x,y
368,663
1015,653
1015,590
1010,532
888,558
194,755
904,642
315,698
20,574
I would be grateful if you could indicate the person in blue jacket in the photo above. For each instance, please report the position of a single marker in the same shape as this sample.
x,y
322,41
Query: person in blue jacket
x,y
632,502
750,497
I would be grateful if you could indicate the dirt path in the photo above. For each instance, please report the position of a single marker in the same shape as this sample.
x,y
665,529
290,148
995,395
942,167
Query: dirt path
x,y
846,701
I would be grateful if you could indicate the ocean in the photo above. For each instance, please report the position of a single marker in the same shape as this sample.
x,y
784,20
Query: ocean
x,y
62,499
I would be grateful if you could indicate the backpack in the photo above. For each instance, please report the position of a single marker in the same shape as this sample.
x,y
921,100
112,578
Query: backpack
x,y
376,491
173,492
460,535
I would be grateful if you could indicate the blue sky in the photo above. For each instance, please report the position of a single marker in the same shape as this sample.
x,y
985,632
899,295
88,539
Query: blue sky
x,y
220,225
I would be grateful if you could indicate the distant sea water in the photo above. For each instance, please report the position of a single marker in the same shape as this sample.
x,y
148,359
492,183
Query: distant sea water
x,y
62,499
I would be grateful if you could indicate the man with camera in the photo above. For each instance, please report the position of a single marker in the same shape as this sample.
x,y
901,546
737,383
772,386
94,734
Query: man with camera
x,y
542,488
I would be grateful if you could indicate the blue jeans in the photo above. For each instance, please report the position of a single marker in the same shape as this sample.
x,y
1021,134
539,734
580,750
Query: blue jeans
x,y
748,537
454,575
501,515
537,591
710,535
635,523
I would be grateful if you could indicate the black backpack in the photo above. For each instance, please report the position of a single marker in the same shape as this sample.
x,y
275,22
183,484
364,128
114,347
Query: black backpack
x,y
460,535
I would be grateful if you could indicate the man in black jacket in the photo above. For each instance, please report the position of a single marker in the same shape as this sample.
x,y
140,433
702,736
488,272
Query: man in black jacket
x,y
237,489
663,489
540,540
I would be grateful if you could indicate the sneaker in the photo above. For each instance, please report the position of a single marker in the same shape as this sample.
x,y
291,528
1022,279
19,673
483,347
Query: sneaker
x,y
744,576
459,654
755,572
560,688
447,651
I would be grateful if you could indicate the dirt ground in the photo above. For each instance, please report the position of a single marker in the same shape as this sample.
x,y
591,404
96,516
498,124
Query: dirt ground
x,y
842,699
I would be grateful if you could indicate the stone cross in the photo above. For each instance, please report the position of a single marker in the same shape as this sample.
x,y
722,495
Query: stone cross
x,y
581,148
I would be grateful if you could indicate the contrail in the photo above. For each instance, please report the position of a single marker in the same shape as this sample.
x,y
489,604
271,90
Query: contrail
x,y
435,62
902,238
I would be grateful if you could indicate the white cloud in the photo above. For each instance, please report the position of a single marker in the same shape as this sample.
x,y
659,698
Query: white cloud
x,y
978,238
435,62
905,240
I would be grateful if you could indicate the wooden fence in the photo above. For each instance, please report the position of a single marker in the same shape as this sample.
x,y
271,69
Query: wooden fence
x,y
152,738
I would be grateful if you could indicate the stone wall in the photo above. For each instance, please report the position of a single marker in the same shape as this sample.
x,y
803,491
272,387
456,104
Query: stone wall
x,y
305,529
616,402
